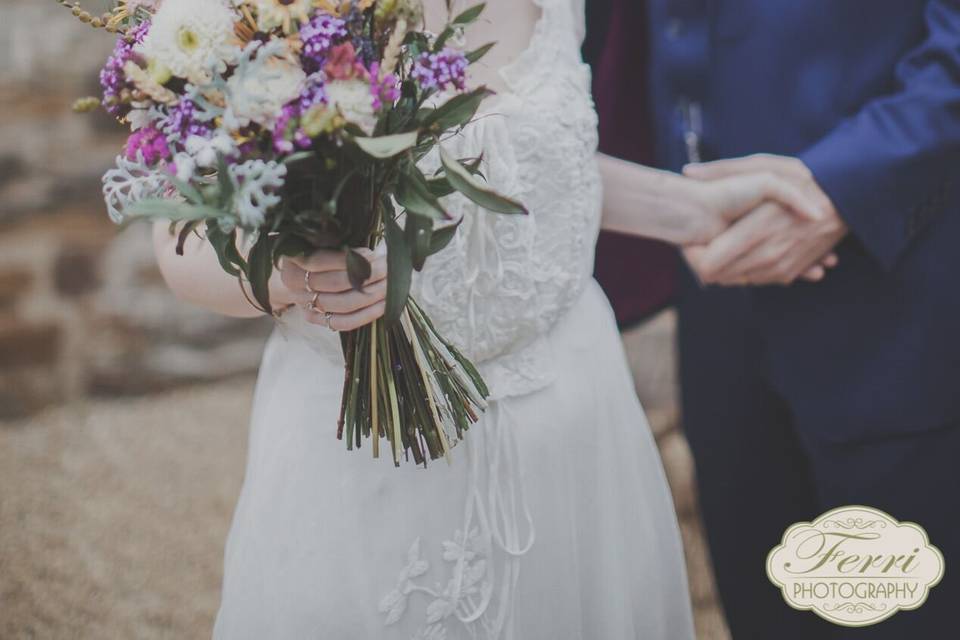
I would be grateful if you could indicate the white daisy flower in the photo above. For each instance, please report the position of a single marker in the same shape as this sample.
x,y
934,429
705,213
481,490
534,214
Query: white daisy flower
x,y
352,98
191,38
258,89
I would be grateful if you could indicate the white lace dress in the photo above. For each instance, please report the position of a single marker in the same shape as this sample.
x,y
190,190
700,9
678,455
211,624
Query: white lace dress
x,y
554,520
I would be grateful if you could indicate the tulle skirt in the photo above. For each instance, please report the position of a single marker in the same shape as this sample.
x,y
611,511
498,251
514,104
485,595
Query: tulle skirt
x,y
552,520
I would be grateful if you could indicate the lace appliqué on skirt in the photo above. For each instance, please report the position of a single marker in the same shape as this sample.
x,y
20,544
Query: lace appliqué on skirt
x,y
482,558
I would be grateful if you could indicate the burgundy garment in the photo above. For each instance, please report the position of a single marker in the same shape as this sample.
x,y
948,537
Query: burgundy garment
x,y
638,275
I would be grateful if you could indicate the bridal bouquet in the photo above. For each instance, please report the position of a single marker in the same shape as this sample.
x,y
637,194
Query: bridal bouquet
x,y
275,128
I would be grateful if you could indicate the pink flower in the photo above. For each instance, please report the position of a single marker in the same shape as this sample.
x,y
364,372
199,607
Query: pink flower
x,y
342,63
150,142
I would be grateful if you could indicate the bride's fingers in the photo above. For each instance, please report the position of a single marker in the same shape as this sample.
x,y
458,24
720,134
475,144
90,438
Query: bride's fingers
x,y
294,277
294,280
350,301
348,321
339,281
322,260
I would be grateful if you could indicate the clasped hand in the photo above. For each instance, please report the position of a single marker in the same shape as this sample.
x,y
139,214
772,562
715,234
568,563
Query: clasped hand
x,y
321,285
768,223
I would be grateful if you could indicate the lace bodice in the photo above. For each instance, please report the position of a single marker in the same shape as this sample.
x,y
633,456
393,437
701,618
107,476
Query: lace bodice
x,y
501,284
504,280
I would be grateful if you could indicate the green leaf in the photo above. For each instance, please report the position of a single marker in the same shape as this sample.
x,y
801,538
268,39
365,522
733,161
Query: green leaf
x,y
470,15
442,237
457,111
473,166
477,54
300,156
400,270
185,232
359,269
259,270
164,209
225,246
442,39
440,187
187,190
418,231
385,147
291,245
414,195
224,181
461,180
416,41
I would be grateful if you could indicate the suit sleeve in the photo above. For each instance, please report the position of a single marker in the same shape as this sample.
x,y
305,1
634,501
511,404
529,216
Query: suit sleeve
x,y
887,167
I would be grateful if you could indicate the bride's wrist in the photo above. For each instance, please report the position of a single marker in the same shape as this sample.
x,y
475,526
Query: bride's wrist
x,y
689,211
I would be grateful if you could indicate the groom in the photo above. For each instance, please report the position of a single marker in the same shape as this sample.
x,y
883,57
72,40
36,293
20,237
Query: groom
x,y
804,397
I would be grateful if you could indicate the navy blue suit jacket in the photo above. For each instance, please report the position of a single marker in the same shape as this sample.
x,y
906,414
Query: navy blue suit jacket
x,y
867,93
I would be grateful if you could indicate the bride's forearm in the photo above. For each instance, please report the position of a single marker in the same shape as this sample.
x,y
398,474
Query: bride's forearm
x,y
196,276
641,201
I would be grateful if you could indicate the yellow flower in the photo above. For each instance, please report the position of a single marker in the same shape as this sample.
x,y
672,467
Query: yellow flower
x,y
282,13
321,119
341,7
147,85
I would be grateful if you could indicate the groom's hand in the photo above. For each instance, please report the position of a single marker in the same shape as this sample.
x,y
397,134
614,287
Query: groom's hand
x,y
770,245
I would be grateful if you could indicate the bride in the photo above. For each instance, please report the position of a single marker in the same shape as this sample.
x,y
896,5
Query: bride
x,y
553,519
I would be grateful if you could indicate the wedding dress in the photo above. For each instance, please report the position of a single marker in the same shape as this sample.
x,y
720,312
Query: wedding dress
x,y
552,519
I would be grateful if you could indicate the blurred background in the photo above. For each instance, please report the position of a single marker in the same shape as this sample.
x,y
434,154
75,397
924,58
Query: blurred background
x,y
123,413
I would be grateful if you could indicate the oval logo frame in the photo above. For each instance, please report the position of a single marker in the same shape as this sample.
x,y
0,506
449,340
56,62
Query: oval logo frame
x,y
855,566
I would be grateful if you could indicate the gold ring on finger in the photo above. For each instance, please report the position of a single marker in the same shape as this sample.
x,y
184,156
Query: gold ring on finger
x,y
327,320
306,282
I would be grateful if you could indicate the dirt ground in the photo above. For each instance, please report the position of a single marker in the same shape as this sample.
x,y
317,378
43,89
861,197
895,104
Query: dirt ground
x,y
113,515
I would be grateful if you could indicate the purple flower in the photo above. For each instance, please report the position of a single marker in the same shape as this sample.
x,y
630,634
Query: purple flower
x,y
356,29
287,134
384,90
181,121
150,142
112,78
318,36
313,94
438,71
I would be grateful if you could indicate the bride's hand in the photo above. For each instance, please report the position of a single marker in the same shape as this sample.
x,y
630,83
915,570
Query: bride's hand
x,y
321,285
720,203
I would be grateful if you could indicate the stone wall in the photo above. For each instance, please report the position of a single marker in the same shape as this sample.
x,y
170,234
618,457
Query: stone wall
x,y
83,311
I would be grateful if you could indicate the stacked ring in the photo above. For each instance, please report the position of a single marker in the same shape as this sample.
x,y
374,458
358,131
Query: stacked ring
x,y
313,305
327,317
